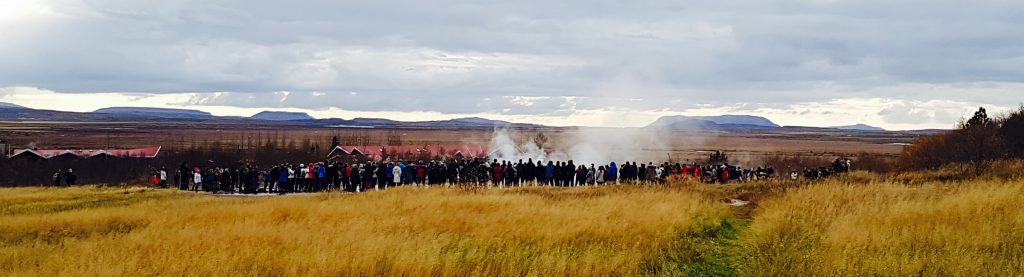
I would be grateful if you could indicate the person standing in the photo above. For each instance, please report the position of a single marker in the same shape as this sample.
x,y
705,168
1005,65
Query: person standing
x,y
591,174
183,177
382,176
391,173
197,179
156,181
581,176
57,178
652,173
310,177
613,173
396,174
348,180
69,178
163,177
498,173
321,176
549,174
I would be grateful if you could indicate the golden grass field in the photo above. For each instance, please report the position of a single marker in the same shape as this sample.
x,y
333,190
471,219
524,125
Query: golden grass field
x,y
972,228
407,231
862,225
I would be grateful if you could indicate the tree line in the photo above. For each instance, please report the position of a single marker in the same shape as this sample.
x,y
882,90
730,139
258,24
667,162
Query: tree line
x,y
975,142
200,150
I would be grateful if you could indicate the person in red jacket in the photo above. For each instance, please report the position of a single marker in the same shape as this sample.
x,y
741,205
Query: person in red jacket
x,y
421,173
725,175
498,174
156,182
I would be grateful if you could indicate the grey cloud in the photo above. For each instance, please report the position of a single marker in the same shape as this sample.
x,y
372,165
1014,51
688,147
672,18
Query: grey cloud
x,y
457,57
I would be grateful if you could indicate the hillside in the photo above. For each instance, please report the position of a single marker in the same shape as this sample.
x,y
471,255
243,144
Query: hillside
x,y
5,105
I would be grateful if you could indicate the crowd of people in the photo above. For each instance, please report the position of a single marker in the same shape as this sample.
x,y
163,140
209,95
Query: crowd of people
x,y
838,166
362,176
64,178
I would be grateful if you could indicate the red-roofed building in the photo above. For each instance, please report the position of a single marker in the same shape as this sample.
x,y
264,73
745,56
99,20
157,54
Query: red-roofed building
x,y
407,152
149,152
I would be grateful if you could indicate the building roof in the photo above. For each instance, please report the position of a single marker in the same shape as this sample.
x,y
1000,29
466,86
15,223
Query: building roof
x,y
149,152
338,150
442,150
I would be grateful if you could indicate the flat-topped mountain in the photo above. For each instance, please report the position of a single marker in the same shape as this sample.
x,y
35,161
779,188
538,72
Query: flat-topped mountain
x,y
281,116
713,122
859,127
159,113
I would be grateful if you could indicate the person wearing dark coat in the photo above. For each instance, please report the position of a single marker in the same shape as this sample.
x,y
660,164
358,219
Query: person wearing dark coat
x,y
641,173
581,176
549,174
526,174
184,176
252,181
538,173
282,180
570,173
559,170
613,173
69,178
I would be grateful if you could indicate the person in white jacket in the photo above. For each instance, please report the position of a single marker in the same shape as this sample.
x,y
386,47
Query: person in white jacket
x,y
163,178
197,179
303,174
397,173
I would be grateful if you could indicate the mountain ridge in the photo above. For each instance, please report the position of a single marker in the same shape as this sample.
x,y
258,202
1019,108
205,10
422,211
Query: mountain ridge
x,y
5,105
731,123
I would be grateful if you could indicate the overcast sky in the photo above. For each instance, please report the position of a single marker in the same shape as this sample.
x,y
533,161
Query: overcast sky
x,y
895,64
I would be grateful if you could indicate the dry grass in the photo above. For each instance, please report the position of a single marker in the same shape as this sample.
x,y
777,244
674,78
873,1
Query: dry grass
x,y
541,231
972,228
860,224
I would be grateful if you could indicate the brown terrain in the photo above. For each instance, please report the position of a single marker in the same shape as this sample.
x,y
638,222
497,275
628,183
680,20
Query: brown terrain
x,y
674,144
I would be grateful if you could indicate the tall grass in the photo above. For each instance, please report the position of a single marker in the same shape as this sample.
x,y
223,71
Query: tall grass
x,y
407,231
969,228
858,224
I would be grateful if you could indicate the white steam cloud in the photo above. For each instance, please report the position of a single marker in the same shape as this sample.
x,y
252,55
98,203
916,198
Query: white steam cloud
x,y
589,145
503,147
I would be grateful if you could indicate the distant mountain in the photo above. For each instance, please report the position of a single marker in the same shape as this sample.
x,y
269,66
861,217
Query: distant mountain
x,y
281,116
5,105
362,121
470,122
478,121
859,127
738,120
713,122
728,123
15,112
154,113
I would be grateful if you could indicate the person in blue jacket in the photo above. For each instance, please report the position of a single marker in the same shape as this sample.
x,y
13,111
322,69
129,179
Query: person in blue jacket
x,y
549,173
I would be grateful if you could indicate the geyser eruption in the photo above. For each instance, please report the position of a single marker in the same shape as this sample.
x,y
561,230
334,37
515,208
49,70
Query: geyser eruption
x,y
503,147
586,146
